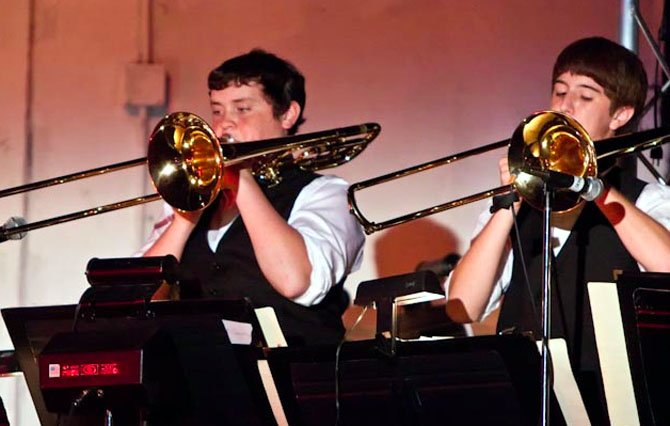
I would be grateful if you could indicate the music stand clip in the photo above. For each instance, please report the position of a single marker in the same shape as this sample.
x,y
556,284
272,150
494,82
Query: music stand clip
x,y
390,292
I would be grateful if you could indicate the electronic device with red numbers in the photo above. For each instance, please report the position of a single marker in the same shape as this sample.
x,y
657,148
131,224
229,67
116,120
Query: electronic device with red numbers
x,y
118,353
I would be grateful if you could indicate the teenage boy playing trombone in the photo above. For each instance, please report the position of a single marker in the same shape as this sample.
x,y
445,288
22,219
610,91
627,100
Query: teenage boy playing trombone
x,y
289,246
603,86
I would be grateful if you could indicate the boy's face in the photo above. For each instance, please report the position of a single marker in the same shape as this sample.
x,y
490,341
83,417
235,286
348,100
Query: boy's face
x,y
244,113
582,98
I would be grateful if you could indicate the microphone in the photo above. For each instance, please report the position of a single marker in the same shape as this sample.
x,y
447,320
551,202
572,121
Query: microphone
x,y
441,267
12,222
589,188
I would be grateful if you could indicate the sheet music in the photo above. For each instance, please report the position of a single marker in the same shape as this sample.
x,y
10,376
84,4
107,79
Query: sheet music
x,y
274,338
420,297
271,392
269,323
611,344
239,333
565,386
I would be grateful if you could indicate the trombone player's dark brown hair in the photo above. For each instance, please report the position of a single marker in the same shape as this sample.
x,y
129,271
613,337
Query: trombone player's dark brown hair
x,y
281,80
618,70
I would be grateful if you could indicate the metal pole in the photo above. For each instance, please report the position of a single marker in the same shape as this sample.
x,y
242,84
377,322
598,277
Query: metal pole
x,y
546,308
629,21
627,32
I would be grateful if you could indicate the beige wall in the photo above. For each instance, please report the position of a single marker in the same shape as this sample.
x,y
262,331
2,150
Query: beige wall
x,y
440,77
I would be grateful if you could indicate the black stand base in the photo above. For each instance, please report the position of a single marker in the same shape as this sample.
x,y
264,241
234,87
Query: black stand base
x,y
475,381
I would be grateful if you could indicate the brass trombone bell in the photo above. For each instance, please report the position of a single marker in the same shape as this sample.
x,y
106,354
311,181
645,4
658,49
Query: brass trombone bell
x,y
545,140
186,162
550,141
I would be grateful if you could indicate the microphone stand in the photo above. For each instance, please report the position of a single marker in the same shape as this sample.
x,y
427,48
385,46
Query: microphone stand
x,y
546,305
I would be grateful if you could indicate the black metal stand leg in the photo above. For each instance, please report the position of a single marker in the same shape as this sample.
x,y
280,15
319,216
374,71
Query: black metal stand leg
x,y
4,421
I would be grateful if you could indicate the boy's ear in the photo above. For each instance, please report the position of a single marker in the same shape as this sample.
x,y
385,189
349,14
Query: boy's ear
x,y
291,115
621,116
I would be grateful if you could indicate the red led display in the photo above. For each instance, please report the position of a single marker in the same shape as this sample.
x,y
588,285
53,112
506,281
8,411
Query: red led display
x,y
91,369
69,370
111,369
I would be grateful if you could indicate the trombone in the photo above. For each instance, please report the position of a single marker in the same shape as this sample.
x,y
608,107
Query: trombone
x,y
186,162
545,140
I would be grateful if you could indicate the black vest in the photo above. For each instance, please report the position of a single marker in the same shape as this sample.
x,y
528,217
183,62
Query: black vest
x,y
233,272
591,253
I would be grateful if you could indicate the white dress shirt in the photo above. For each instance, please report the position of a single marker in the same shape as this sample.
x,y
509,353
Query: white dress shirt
x,y
333,237
653,200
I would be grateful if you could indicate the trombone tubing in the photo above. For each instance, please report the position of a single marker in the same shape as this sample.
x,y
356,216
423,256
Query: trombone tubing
x,y
72,177
612,147
371,227
235,153
428,165
6,233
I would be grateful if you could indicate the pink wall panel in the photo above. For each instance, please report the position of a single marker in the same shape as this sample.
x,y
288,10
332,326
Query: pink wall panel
x,y
439,76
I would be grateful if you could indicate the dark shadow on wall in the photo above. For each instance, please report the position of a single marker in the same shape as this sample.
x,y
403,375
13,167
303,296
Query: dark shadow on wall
x,y
400,249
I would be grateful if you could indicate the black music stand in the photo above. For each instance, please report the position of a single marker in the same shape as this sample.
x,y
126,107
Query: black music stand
x,y
389,293
472,381
219,379
645,308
